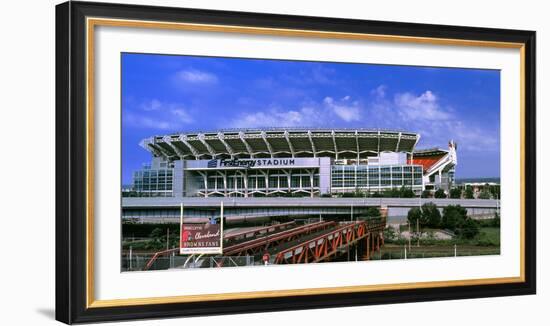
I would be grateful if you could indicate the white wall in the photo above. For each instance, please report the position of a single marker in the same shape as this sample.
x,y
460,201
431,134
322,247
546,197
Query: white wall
x,y
27,126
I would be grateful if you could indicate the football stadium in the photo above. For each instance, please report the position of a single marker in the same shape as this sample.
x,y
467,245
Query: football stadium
x,y
264,173
286,196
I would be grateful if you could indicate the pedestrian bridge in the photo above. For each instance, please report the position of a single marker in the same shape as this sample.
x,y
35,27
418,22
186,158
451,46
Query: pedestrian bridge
x,y
293,243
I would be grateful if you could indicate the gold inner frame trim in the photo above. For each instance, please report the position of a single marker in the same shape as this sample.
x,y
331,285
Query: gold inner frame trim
x,y
92,22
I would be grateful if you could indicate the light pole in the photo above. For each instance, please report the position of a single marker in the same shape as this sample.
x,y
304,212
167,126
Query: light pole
x,y
409,224
417,222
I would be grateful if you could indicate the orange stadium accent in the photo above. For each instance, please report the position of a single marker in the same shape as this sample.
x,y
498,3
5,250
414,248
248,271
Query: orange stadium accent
x,y
426,161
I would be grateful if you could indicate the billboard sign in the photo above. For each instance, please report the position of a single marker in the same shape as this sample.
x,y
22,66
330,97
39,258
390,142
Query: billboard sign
x,y
203,238
255,163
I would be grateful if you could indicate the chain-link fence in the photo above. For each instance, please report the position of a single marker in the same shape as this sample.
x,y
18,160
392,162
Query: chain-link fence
x,y
426,252
138,262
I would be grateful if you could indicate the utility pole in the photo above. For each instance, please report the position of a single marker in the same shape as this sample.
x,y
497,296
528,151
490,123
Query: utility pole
x,y
418,233
410,234
167,239
221,227
181,223
130,267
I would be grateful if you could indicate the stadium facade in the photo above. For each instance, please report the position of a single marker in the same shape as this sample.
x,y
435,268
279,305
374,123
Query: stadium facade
x,y
289,163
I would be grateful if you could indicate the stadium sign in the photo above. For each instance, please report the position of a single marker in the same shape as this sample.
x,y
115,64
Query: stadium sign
x,y
252,163
203,238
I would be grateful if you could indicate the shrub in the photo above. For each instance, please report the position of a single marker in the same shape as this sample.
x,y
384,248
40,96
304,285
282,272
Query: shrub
x,y
496,220
405,192
440,193
495,191
373,212
391,193
456,193
469,193
469,229
389,234
431,215
485,194
453,217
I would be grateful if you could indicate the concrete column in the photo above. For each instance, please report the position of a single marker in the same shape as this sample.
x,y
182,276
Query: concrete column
x,y
178,179
325,175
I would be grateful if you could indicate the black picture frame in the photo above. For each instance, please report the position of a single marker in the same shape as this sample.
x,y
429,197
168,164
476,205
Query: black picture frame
x,y
71,158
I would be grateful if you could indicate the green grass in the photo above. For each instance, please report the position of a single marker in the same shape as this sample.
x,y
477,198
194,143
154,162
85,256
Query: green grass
x,y
488,236
393,251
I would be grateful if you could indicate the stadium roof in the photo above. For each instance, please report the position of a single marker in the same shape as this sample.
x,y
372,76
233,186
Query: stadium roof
x,y
430,152
277,142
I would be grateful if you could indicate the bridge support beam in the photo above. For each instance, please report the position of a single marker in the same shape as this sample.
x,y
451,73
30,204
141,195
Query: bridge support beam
x,y
367,251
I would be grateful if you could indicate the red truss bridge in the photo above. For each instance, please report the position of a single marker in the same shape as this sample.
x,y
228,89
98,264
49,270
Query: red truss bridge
x,y
329,244
242,236
258,245
292,243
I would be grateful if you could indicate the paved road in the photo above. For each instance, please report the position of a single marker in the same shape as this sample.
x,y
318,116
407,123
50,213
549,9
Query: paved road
x,y
133,202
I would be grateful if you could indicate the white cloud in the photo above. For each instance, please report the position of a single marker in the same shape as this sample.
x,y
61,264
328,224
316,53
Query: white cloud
x,y
422,107
154,114
470,137
152,105
423,113
310,114
380,91
144,122
321,75
344,109
306,116
182,115
195,76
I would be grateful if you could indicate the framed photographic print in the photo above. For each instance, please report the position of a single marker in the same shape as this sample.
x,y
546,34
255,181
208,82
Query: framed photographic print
x,y
212,162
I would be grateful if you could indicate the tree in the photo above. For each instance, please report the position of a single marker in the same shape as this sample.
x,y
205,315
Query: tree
x,y
440,193
456,193
469,229
495,191
454,217
405,192
469,193
359,193
157,239
431,215
485,194
414,214
389,234
426,194
391,193
373,212
496,220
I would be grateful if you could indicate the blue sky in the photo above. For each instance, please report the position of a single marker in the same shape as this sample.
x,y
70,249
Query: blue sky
x,y
162,94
